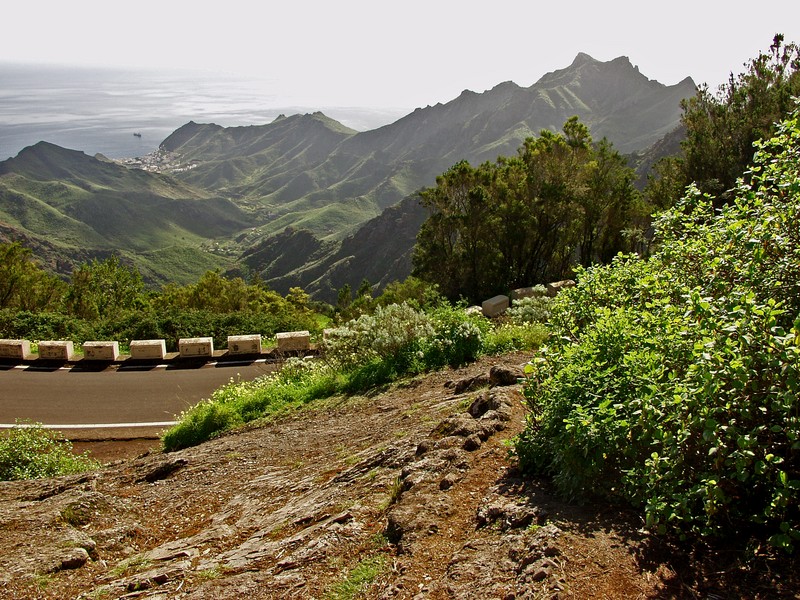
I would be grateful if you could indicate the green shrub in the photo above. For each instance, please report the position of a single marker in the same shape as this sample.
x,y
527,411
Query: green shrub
x,y
392,333
510,337
457,337
673,382
358,579
44,326
533,309
29,451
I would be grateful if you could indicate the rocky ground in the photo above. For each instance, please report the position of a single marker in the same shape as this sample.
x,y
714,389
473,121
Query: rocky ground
x,y
407,493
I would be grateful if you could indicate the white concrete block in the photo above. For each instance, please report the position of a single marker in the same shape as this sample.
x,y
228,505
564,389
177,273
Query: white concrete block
x,y
291,341
494,306
101,350
194,347
57,350
555,288
536,291
148,349
20,349
244,344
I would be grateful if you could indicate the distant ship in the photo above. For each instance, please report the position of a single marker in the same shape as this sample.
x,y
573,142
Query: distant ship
x,y
138,135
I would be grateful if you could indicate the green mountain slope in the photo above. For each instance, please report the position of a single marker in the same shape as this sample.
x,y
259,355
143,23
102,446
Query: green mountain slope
x,y
309,171
379,251
69,205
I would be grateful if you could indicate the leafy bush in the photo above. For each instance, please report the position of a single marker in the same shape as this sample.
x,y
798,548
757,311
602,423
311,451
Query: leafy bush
x,y
44,326
390,333
673,382
533,309
30,452
408,338
457,339
509,337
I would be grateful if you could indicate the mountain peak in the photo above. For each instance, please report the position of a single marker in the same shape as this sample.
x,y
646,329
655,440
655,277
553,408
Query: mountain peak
x,y
47,151
582,59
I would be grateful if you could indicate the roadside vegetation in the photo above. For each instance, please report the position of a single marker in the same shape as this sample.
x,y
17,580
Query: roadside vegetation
x,y
28,451
672,382
369,351
107,300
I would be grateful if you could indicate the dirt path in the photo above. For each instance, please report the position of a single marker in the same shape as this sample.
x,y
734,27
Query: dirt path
x,y
411,488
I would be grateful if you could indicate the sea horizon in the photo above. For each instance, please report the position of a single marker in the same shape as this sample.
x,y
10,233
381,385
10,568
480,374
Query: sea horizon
x,y
124,113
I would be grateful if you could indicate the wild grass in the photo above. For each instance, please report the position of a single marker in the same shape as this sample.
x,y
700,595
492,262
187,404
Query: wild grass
x,y
365,354
358,579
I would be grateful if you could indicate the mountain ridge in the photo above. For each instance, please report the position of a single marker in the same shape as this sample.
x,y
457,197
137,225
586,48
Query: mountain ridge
x,y
311,174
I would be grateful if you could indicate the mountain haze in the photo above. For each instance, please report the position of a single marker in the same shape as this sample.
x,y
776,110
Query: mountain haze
x,y
306,201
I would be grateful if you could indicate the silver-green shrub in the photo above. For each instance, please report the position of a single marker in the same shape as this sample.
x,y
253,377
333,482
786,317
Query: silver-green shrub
x,y
387,333
533,309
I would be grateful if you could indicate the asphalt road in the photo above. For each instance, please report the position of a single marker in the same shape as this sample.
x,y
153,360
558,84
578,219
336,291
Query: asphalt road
x,y
115,402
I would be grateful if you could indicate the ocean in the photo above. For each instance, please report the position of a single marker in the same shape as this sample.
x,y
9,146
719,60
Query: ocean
x,y
100,110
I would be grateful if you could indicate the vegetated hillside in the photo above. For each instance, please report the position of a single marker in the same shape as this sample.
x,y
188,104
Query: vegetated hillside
x,y
406,493
379,251
376,169
71,207
311,172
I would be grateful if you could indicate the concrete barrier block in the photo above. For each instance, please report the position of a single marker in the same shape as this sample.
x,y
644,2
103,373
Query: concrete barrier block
x,y
194,347
57,350
19,349
101,351
244,344
537,291
553,289
292,341
494,306
148,349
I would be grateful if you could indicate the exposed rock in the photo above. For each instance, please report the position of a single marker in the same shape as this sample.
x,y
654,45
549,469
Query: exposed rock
x,y
509,515
556,287
470,383
74,558
162,470
500,375
472,443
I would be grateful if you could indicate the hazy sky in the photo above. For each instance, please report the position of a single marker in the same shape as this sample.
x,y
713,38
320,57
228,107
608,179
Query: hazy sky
x,y
401,54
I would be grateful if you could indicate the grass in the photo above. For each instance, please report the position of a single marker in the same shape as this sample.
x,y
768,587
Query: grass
x,y
510,337
302,382
130,566
76,514
358,579
395,491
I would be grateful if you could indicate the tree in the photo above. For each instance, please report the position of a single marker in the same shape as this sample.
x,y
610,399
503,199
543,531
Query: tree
x,y
721,128
24,285
525,219
453,241
344,297
101,288
606,202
